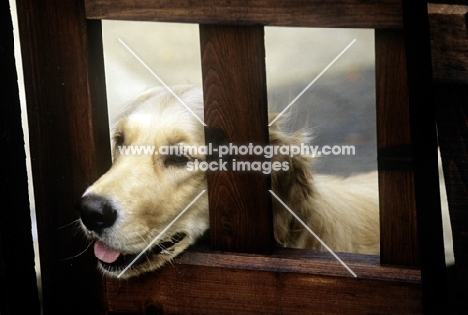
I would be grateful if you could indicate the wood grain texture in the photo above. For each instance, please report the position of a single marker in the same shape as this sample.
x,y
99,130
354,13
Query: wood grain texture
x,y
215,283
311,13
449,42
69,139
398,225
234,86
302,261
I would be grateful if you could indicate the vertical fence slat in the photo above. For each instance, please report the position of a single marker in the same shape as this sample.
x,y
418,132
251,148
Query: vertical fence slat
x,y
69,141
398,225
234,84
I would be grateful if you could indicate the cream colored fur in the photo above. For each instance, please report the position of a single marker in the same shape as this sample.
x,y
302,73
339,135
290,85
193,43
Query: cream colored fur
x,y
343,212
148,192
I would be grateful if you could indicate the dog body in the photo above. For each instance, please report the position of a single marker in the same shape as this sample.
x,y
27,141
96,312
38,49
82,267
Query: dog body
x,y
136,200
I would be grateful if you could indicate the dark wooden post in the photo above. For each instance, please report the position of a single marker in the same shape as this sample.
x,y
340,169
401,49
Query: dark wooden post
x,y
424,151
449,26
69,138
398,224
234,85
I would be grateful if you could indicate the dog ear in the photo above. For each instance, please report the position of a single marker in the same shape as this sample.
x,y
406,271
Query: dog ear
x,y
295,182
294,186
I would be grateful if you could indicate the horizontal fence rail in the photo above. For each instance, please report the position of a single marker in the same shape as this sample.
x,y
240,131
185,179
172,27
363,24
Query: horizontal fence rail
x,y
312,13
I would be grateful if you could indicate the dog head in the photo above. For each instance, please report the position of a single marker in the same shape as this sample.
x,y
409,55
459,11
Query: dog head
x,y
129,209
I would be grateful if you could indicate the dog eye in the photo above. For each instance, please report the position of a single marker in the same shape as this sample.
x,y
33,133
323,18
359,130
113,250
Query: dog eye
x,y
176,160
119,139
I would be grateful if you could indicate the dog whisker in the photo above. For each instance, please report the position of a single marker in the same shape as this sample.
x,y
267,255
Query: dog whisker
x,y
74,222
84,251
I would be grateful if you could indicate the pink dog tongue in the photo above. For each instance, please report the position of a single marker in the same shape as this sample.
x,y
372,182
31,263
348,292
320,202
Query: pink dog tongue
x,y
105,253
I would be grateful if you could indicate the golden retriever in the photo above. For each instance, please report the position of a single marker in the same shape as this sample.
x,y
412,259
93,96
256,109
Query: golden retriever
x,y
130,205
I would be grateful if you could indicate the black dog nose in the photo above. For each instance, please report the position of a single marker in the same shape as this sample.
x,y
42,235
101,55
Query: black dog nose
x,y
96,213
